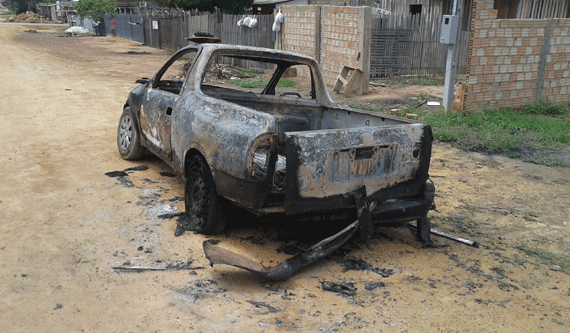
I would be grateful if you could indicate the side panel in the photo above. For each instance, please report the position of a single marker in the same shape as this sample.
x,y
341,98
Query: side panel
x,y
324,168
225,133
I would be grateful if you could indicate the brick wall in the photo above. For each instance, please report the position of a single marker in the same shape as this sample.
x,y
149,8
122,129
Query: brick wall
x,y
334,36
339,40
299,29
515,62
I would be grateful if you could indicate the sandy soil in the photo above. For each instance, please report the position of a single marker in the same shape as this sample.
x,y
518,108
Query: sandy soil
x,y
64,224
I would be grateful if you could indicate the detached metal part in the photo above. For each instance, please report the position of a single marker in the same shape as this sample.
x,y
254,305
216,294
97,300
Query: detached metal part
x,y
218,255
285,269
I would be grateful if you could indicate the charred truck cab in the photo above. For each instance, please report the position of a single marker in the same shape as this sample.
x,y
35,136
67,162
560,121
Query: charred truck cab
x,y
275,149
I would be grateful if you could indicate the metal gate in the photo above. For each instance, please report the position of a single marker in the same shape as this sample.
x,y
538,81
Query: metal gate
x,y
137,28
129,26
390,52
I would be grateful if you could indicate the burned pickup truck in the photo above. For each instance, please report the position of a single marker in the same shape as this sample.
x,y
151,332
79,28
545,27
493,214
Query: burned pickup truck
x,y
277,146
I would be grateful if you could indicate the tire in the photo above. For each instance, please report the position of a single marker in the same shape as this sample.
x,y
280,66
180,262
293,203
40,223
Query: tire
x,y
128,139
203,206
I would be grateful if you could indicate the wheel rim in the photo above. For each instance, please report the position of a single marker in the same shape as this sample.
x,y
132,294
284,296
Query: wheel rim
x,y
198,200
126,132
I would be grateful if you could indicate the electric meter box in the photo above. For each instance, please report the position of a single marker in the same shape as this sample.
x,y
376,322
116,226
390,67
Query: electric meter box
x,y
449,29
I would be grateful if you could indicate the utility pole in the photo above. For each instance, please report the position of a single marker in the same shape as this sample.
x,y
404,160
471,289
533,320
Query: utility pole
x,y
450,35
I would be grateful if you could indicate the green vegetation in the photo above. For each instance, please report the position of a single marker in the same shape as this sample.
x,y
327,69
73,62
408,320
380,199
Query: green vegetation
x,y
245,73
500,271
425,81
516,134
550,161
503,130
548,258
261,83
367,107
7,13
557,322
256,83
95,9
285,83
517,260
547,108
234,7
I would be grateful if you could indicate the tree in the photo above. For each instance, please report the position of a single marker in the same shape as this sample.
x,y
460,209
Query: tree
x,y
20,6
234,7
95,9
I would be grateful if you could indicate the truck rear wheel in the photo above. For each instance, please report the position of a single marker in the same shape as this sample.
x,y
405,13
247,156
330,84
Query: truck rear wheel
x,y
202,203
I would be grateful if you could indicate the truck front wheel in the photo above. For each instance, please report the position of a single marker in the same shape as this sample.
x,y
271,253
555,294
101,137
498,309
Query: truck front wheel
x,y
202,203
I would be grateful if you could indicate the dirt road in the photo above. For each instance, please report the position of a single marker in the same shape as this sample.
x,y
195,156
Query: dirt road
x,y
64,224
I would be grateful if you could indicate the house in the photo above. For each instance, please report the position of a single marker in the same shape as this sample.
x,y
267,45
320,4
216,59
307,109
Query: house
x,y
134,6
57,11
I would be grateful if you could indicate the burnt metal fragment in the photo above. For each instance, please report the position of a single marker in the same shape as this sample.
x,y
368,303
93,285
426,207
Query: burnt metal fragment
x,y
376,285
346,288
265,305
218,255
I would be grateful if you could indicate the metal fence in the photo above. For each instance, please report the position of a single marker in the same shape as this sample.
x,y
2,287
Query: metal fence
x,y
129,26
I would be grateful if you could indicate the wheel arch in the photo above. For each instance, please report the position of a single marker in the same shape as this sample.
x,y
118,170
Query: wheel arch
x,y
191,152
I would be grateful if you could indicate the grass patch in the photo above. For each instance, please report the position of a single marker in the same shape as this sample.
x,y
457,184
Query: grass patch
x,y
285,83
260,83
548,258
256,83
550,161
517,260
500,131
366,107
427,81
499,270
557,322
244,73
546,107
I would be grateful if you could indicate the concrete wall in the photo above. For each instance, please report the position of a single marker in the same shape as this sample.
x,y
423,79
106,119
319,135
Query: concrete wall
x,y
334,36
515,62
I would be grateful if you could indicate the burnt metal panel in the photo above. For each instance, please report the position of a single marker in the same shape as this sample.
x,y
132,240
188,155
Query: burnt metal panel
x,y
323,166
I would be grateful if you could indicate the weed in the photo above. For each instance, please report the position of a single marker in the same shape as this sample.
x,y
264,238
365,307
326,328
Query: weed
x,y
260,83
557,322
550,161
285,83
366,107
548,258
518,260
257,83
245,73
504,285
475,269
499,270
500,131
546,107
423,81
183,58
